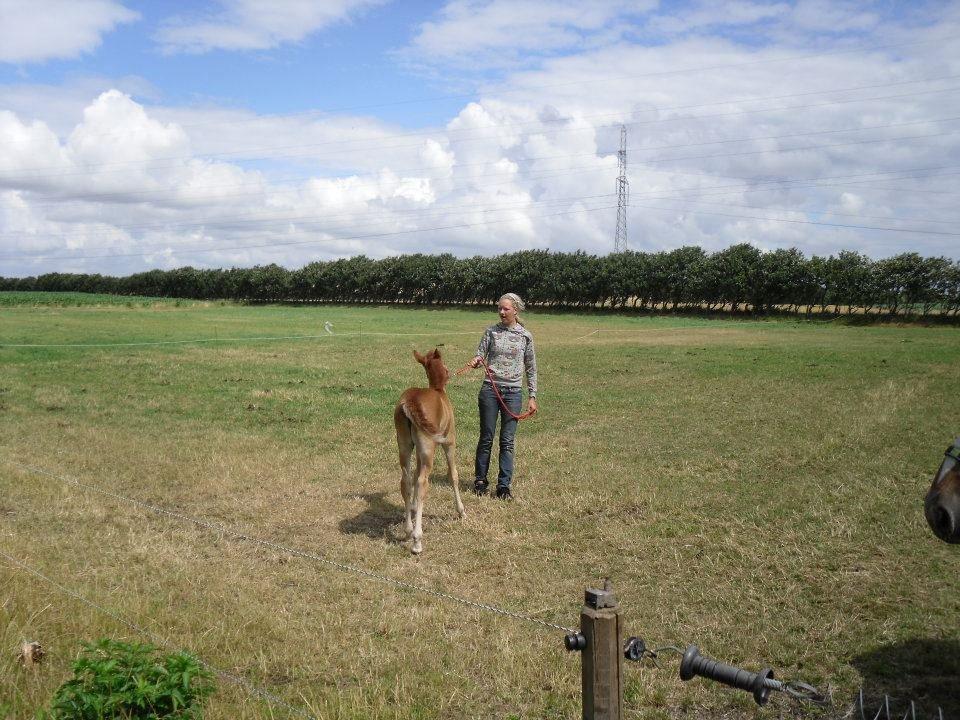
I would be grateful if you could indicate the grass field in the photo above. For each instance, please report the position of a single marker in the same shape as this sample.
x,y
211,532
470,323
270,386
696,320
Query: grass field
x,y
77,299
753,487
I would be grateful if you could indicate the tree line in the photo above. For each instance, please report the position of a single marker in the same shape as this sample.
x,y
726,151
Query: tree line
x,y
738,279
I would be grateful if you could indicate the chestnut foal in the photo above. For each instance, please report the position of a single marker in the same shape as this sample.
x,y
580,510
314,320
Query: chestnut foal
x,y
424,419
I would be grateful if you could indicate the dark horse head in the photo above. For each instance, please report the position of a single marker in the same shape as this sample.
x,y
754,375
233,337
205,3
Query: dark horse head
x,y
942,505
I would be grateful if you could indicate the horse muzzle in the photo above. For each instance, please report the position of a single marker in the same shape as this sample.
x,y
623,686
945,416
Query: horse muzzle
x,y
942,504
943,515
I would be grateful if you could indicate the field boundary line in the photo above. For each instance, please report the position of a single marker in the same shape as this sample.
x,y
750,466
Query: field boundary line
x,y
325,336
165,342
344,567
157,640
478,333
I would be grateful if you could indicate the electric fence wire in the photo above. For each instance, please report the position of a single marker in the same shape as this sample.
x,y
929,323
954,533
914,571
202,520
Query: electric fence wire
x,y
325,336
343,567
160,642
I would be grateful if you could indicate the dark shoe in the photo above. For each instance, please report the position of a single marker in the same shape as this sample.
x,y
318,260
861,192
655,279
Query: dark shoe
x,y
480,487
503,493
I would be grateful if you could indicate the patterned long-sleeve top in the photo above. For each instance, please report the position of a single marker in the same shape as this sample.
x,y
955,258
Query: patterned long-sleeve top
x,y
510,355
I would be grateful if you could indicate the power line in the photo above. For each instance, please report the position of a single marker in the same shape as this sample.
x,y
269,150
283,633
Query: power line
x,y
530,159
695,201
802,148
306,221
798,184
158,163
678,159
193,251
257,217
811,222
724,190
528,87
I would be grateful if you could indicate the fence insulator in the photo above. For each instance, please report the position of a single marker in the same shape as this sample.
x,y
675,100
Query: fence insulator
x,y
759,684
634,649
575,642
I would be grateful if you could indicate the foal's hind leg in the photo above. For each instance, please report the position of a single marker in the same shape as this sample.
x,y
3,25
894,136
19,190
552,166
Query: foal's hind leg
x,y
406,447
425,450
407,490
450,450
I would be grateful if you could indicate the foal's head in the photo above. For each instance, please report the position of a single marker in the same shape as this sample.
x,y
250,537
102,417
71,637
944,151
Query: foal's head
x,y
942,504
437,372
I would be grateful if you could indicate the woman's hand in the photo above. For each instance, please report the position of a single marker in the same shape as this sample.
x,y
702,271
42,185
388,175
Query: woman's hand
x,y
475,363
532,406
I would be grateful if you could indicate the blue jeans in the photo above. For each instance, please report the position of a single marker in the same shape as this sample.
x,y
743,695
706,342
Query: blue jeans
x,y
489,409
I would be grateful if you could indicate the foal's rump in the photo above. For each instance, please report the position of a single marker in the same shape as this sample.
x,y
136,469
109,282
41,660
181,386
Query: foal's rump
x,y
426,411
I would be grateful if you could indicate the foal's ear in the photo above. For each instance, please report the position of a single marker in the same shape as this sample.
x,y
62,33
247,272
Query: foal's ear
x,y
436,353
420,358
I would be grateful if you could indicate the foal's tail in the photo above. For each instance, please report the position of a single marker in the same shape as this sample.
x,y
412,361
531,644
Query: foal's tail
x,y
421,422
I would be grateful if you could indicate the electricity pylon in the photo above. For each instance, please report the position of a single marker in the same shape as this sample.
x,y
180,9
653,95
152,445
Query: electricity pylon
x,y
623,195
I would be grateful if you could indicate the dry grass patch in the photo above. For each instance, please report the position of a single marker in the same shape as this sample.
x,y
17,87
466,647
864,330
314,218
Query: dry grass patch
x,y
751,487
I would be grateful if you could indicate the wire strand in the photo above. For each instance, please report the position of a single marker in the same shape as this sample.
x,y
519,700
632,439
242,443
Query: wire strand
x,y
344,567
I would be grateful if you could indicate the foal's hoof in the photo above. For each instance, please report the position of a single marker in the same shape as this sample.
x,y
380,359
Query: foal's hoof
x,y
417,547
461,512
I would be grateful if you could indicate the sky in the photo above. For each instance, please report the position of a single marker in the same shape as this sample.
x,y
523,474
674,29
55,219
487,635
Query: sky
x,y
233,133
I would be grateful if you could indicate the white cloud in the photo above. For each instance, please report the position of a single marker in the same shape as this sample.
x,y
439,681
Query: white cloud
x,y
713,15
497,32
34,31
833,16
255,25
530,164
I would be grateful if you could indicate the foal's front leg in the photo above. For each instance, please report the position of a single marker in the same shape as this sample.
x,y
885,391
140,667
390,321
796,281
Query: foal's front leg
x,y
450,450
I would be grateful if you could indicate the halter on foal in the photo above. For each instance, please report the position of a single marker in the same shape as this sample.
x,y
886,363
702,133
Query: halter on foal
x,y
424,419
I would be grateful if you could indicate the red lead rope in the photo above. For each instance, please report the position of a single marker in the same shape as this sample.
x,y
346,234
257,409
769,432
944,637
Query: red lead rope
x,y
496,391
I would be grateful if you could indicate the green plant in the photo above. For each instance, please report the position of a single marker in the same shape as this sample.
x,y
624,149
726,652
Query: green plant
x,y
114,679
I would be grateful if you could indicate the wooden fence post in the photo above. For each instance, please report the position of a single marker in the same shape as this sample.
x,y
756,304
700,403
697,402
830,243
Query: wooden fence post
x,y
602,667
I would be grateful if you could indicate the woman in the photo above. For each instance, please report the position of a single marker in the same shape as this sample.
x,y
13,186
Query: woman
x,y
507,350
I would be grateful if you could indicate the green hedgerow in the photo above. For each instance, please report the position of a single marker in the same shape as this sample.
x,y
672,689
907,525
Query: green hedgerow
x,y
114,679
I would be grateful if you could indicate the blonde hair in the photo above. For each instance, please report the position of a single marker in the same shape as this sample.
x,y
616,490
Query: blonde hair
x,y
518,304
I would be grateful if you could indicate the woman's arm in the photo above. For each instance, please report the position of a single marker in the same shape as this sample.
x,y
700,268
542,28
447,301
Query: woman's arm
x,y
483,349
530,367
